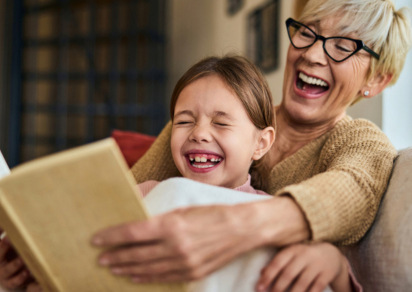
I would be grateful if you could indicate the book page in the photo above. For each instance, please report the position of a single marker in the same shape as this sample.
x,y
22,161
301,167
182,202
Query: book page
x,y
4,168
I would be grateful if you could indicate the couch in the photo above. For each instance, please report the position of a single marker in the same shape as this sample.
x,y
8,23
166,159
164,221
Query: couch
x,y
382,260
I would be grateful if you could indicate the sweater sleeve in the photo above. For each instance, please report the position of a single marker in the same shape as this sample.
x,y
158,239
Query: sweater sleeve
x,y
157,163
341,202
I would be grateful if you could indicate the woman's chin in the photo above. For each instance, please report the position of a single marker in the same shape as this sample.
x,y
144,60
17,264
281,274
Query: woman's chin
x,y
300,114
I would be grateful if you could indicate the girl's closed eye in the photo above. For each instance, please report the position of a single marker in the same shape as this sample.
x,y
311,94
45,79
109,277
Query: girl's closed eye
x,y
222,119
222,124
183,122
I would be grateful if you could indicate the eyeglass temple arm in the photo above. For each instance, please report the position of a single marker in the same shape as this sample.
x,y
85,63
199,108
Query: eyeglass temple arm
x,y
371,52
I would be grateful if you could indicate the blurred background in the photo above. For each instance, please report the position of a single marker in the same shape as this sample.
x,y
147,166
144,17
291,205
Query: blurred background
x,y
72,71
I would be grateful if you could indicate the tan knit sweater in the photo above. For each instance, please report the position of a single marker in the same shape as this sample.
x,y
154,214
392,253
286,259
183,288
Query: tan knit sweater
x,y
337,179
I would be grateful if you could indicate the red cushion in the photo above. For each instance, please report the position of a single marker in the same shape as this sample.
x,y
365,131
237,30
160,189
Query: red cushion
x,y
132,144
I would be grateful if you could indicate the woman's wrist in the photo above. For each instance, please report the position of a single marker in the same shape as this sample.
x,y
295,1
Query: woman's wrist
x,y
276,222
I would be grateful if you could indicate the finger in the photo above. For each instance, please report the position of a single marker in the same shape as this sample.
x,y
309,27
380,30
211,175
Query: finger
x,y
11,268
153,270
34,287
288,274
305,280
4,248
134,255
184,264
133,232
318,285
194,266
272,270
16,281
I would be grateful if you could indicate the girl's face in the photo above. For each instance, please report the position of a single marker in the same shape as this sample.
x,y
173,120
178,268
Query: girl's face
x,y
213,140
316,89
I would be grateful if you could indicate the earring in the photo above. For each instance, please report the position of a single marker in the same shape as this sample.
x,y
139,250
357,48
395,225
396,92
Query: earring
x,y
366,93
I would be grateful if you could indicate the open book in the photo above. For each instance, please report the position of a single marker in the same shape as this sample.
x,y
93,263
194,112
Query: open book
x,y
50,207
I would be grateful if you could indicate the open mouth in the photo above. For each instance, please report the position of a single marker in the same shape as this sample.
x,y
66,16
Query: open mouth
x,y
204,161
311,85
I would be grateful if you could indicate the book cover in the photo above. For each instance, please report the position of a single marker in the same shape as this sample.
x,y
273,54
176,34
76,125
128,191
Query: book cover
x,y
51,206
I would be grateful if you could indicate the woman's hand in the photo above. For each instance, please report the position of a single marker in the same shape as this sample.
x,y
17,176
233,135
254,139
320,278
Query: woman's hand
x,y
184,244
306,267
13,274
190,243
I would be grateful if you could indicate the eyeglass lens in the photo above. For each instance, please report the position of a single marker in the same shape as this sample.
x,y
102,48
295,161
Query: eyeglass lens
x,y
337,48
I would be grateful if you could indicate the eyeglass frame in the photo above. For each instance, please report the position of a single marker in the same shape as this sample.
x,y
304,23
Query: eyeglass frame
x,y
359,43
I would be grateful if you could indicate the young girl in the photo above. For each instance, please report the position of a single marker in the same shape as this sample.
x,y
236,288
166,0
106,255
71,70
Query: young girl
x,y
223,125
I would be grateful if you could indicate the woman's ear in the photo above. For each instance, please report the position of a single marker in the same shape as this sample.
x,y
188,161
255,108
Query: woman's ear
x,y
267,137
376,85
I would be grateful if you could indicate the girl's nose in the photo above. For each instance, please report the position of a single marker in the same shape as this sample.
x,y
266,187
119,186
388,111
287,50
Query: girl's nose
x,y
200,133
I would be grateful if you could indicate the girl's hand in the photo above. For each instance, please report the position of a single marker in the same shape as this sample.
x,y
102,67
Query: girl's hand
x,y
306,267
34,287
13,274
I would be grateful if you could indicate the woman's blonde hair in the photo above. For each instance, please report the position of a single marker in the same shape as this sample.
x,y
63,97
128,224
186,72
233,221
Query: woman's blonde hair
x,y
248,84
384,29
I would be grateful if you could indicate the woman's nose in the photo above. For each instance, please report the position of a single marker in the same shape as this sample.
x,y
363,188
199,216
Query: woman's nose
x,y
200,133
315,54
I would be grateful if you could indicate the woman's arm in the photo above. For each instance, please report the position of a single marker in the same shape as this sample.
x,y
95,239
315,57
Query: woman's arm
x,y
341,197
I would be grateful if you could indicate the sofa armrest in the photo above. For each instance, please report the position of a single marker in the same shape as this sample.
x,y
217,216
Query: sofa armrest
x,y
382,260
132,144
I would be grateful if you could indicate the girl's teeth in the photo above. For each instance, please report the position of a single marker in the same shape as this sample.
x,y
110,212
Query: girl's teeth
x,y
203,166
203,159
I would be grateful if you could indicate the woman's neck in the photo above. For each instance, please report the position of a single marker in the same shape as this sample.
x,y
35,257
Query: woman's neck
x,y
292,136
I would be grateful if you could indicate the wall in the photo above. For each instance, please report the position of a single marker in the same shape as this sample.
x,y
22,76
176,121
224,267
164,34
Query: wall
x,y
397,103
199,28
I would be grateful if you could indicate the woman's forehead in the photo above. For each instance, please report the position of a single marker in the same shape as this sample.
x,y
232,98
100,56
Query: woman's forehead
x,y
333,25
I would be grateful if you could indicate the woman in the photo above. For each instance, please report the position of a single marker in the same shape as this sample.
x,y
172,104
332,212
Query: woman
x,y
327,171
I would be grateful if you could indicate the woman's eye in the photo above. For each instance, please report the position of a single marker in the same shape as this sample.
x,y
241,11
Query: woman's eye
x,y
307,34
343,49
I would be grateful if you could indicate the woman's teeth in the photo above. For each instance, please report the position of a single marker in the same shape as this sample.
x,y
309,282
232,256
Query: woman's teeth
x,y
312,80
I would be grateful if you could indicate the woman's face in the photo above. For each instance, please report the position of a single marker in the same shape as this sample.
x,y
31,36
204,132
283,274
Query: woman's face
x,y
316,89
213,140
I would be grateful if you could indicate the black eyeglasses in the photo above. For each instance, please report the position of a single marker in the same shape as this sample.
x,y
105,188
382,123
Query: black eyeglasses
x,y
337,48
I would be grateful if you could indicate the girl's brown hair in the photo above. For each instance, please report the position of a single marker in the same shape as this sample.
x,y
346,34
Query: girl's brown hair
x,y
248,84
